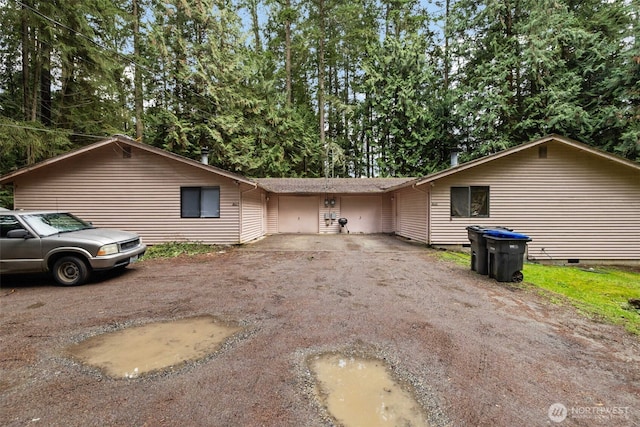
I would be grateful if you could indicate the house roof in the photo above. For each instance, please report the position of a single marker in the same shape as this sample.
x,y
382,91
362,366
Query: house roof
x,y
330,185
556,138
123,140
323,185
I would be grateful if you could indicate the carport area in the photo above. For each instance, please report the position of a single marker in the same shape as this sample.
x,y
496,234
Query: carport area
x,y
471,350
314,205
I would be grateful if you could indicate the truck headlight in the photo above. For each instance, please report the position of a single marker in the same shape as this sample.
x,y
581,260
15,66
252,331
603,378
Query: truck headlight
x,y
109,249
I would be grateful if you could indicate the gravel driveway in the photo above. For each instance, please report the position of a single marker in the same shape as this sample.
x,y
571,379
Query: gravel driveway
x,y
476,352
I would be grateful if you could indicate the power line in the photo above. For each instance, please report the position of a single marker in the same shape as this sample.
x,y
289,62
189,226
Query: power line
x,y
51,131
60,24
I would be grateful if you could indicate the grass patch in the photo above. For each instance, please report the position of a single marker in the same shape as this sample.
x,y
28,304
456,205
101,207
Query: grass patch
x,y
459,258
176,249
601,293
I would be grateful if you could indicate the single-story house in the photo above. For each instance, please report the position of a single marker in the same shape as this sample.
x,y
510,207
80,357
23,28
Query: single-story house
x,y
120,183
577,203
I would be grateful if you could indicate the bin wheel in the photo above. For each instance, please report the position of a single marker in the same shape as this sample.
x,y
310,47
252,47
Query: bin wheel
x,y
517,276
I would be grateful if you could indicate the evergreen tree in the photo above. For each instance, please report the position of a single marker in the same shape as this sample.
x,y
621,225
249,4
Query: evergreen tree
x,y
403,82
59,81
329,87
217,97
528,68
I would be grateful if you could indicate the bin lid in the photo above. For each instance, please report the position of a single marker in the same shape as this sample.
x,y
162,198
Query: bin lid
x,y
484,229
504,234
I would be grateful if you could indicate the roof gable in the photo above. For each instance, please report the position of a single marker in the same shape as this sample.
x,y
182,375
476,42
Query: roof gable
x,y
555,138
123,140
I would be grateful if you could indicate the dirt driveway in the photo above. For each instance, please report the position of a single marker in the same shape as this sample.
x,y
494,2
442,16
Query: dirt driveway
x,y
477,353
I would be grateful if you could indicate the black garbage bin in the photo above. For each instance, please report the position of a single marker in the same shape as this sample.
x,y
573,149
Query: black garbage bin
x,y
505,252
476,235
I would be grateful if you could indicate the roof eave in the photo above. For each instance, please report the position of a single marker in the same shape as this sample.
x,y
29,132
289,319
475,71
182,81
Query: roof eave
x,y
522,147
403,185
293,187
10,177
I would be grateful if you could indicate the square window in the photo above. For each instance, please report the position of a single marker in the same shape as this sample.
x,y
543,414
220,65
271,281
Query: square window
x,y
200,202
468,202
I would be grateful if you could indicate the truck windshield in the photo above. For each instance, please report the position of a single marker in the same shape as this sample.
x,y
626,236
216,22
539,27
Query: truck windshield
x,y
47,224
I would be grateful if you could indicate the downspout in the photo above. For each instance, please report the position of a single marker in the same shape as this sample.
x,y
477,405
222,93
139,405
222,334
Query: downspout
x,y
428,193
255,186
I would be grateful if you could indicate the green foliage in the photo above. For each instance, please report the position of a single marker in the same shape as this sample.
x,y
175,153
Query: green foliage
x,y
459,258
220,98
537,67
177,249
401,89
400,84
25,143
6,198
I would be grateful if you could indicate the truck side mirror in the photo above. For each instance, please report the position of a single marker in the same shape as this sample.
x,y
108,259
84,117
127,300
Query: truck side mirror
x,y
19,233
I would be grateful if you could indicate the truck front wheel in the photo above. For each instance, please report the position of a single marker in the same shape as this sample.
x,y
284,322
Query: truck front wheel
x,y
70,271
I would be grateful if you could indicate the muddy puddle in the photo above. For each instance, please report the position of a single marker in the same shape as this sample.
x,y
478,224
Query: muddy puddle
x,y
361,392
134,351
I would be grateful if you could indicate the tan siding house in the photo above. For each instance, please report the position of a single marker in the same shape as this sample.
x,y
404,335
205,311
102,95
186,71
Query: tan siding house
x,y
412,214
272,213
119,183
575,202
388,213
252,225
330,226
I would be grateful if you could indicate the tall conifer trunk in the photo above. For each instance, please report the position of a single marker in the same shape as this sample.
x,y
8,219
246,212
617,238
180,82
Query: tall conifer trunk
x,y
45,85
321,85
25,63
287,48
137,78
